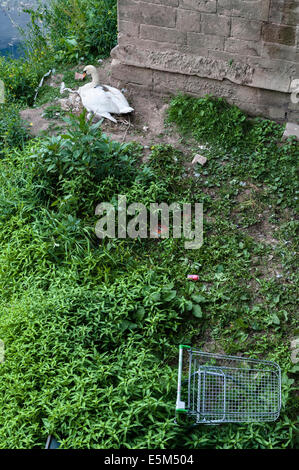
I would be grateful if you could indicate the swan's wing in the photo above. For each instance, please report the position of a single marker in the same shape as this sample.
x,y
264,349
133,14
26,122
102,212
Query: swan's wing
x,y
98,101
119,99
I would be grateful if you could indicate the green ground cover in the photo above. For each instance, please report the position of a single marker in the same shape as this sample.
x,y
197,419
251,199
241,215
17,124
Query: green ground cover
x,y
91,328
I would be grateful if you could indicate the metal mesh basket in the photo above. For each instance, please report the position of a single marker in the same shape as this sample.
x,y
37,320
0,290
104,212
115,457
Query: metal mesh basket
x,y
224,389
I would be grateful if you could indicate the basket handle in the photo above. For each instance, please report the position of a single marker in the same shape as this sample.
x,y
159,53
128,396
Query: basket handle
x,y
180,405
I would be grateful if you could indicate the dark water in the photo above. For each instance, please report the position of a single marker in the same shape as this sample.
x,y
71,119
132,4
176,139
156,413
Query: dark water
x,y
11,16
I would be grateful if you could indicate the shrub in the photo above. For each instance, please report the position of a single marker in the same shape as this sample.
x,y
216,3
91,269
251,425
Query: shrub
x,y
70,168
21,77
72,29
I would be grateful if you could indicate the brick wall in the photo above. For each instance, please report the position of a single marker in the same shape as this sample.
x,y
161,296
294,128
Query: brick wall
x,y
244,50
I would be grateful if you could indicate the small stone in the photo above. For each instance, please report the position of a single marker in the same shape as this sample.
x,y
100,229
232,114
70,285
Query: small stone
x,y
199,159
291,129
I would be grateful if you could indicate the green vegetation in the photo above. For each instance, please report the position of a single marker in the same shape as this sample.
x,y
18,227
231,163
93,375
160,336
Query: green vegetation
x,y
73,30
92,327
12,131
247,147
61,34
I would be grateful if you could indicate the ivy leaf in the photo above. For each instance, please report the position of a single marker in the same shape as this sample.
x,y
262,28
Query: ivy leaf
x,y
196,310
155,297
139,313
198,298
275,319
127,325
168,296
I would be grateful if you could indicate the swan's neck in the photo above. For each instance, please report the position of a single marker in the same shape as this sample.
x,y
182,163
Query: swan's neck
x,y
95,79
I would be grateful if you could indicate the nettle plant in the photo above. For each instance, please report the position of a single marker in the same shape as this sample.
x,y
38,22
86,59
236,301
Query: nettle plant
x,y
70,168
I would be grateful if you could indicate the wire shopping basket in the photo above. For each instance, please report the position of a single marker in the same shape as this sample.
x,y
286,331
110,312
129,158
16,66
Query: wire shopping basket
x,y
226,389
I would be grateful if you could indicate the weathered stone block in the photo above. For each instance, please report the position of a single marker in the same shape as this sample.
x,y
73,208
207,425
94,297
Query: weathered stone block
x,y
279,52
172,83
207,6
128,11
173,3
198,41
184,63
280,34
293,116
229,57
129,28
263,78
284,11
129,74
215,24
252,9
144,44
145,13
239,46
246,29
273,65
188,21
158,33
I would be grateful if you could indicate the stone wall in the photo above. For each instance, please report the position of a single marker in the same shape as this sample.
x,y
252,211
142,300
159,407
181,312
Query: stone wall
x,y
244,50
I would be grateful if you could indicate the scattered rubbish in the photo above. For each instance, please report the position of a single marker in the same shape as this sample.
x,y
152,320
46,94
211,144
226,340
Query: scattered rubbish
x,y
226,389
145,128
193,277
52,443
63,89
199,159
159,230
100,61
2,351
243,183
42,82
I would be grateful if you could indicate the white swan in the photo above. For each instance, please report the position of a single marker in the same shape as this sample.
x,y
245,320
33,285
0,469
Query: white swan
x,y
102,100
